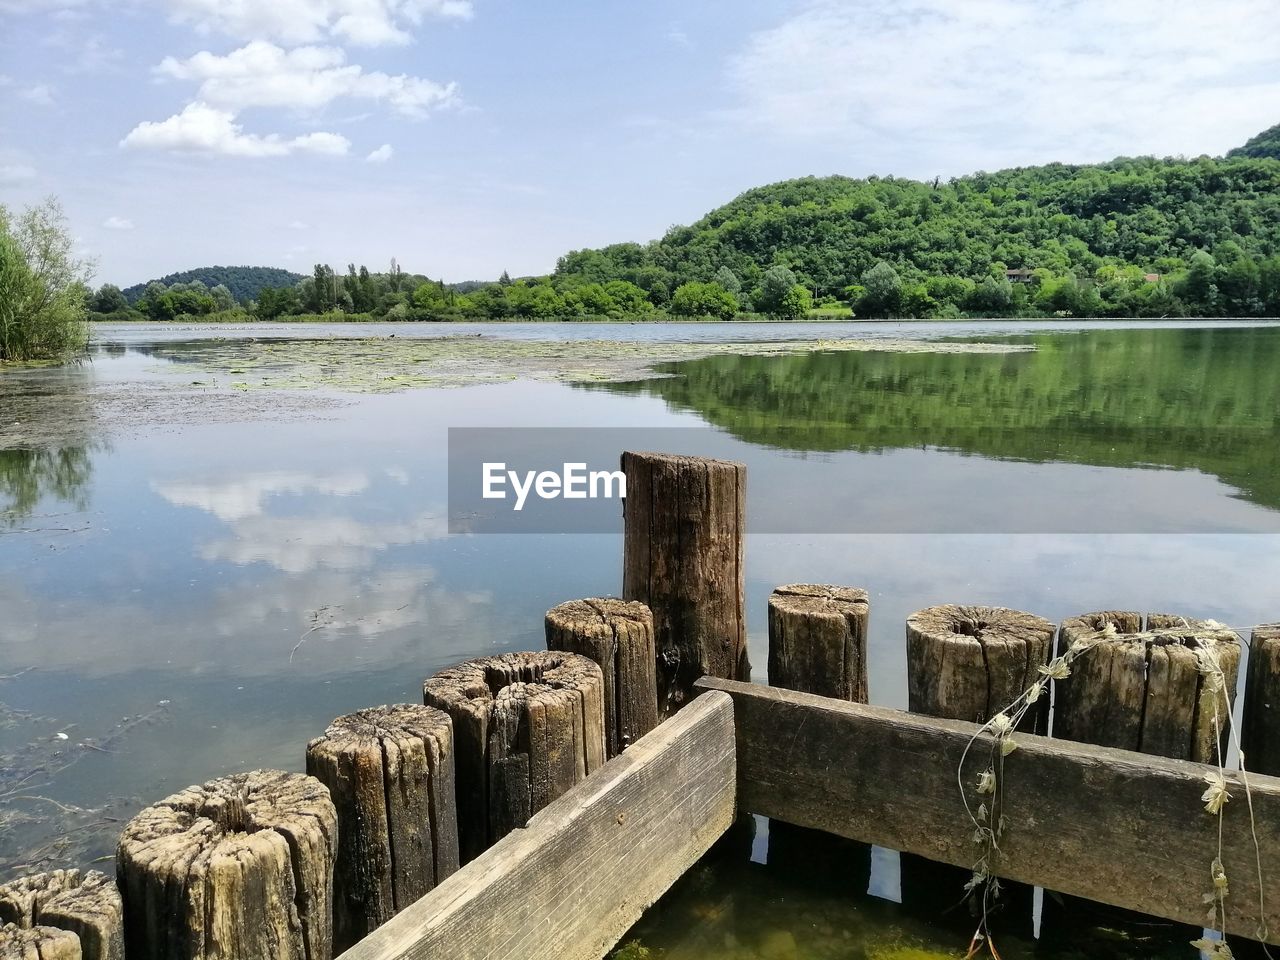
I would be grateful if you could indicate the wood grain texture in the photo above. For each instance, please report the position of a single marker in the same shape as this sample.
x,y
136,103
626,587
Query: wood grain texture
x,y
617,635
1260,734
390,773
38,943
684,528
235,868
86,905
575,881
1139,687
969,663
818,640
527,727
1113,826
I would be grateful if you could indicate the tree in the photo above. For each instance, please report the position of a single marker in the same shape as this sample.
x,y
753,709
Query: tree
x,y
703,300
109,299
276,302
43,287
796,304
222,298
729,280
882,292
775,288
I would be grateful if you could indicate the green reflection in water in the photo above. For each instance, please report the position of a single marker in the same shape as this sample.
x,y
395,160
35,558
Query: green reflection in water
x,y
29,476
1205,399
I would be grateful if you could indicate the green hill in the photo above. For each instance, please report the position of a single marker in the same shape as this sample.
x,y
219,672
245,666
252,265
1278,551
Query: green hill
x,y
245,283
1133,237
1265,144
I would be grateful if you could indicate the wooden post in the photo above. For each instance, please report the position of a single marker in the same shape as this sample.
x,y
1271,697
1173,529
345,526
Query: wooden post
x,y
970,663
38,943
1261,731
48,908
818,640
238,867
1138,687
527,726
1142,689
587,867
682,556
390,773
618,636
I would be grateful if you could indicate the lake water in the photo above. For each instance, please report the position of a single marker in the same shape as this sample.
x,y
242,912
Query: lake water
x,y
239,575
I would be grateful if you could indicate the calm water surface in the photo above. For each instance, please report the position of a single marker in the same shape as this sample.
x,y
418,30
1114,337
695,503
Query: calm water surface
x,y
240,584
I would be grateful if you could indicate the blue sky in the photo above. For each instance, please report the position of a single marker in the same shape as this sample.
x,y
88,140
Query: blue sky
x,y
465,137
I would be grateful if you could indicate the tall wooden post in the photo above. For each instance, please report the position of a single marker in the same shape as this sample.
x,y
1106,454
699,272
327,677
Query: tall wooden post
x,y
684,524
527,727
1143,689
617,635
818,640
62,913
239,867
390,773
1260,737
1139,687
970,663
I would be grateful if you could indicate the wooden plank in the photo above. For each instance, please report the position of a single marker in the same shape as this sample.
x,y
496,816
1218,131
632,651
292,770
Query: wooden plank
x,y
572,883
1113,826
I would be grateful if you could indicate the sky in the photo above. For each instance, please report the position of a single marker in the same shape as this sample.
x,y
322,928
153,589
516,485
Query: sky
x,y
468,137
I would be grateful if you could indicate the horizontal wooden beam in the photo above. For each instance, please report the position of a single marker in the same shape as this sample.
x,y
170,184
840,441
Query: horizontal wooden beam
x,y
1112,826
572,883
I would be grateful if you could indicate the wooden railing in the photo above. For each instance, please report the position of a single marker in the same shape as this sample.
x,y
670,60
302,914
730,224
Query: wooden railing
x,y
572,883
1116,827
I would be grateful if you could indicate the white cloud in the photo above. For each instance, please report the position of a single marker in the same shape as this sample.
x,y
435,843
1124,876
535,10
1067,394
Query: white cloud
x,y
381,155
118,223
299,225
1014,80
261,74
41,94
16,173
247,496
200,128
299,544
360,22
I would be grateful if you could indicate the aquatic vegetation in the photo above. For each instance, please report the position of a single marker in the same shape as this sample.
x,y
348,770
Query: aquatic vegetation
x,y
384,365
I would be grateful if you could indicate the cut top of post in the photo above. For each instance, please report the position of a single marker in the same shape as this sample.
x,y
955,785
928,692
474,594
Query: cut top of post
x,y
971,662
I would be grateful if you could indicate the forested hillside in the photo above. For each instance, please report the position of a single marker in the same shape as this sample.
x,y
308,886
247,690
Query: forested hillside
x,y
1138,237
243,283
1134,237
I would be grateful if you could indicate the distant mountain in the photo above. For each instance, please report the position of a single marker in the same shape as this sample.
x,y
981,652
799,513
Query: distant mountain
x,y
245,283
1265,144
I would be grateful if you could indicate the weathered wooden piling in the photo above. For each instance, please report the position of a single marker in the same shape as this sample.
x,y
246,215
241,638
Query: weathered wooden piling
x,y
241,866
684,523
390,774
1144,689
970,663
617,635
1260,734
38,943
527,727
62,913
818,640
